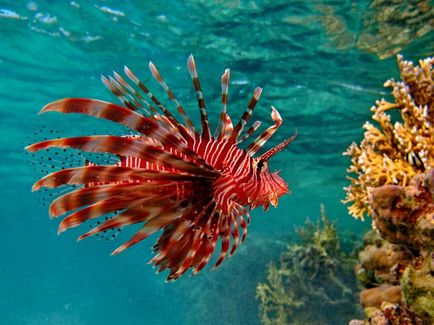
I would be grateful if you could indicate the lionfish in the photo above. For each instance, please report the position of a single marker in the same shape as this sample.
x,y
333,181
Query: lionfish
x,y
194,186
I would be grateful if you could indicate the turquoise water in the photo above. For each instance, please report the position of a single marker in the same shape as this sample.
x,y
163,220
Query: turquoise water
x,y
320,82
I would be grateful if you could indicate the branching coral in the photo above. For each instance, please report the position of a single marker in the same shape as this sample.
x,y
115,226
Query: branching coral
x,y
314,282
392,153
394,184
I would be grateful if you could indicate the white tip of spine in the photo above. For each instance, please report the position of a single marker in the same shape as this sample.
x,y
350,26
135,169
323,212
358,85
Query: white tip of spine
x,y
130,74
257,93
60,229
275,115
191,65
106,82
53,106
117,250
225,80
154,71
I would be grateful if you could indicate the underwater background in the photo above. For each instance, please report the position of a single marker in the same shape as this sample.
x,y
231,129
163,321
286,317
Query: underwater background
x,y
322,64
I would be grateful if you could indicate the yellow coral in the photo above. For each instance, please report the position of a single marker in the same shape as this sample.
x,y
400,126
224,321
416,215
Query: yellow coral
x,y
392,153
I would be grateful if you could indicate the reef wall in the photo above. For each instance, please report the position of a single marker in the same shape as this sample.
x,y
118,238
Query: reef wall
x,y
392,181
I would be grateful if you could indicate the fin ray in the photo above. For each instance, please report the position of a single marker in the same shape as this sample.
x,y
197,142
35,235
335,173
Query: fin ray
x,y
157,76
108,174
128,146
246,115
257,144
206,134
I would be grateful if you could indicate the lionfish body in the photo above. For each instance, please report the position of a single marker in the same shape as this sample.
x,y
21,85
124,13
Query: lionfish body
x,y
194,186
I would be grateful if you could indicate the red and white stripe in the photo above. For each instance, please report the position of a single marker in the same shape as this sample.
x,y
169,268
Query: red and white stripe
x,y
193,186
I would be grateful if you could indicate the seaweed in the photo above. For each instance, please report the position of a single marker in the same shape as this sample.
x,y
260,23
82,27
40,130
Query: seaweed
x,y
314,281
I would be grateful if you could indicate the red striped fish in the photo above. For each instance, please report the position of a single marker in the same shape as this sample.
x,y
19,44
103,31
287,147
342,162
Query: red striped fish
x,y
195,186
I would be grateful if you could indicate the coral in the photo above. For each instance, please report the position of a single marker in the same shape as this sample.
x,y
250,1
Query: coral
x,y
294,292
394,184
397,315
380,261
396,264
387,314
375,316
392,153
374,297
417,284
405,214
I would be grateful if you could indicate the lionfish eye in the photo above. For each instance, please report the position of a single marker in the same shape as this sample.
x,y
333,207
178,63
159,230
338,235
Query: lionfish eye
x,y
260,164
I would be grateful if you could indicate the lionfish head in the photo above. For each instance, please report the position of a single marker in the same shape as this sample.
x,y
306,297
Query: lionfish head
x,y
272,186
